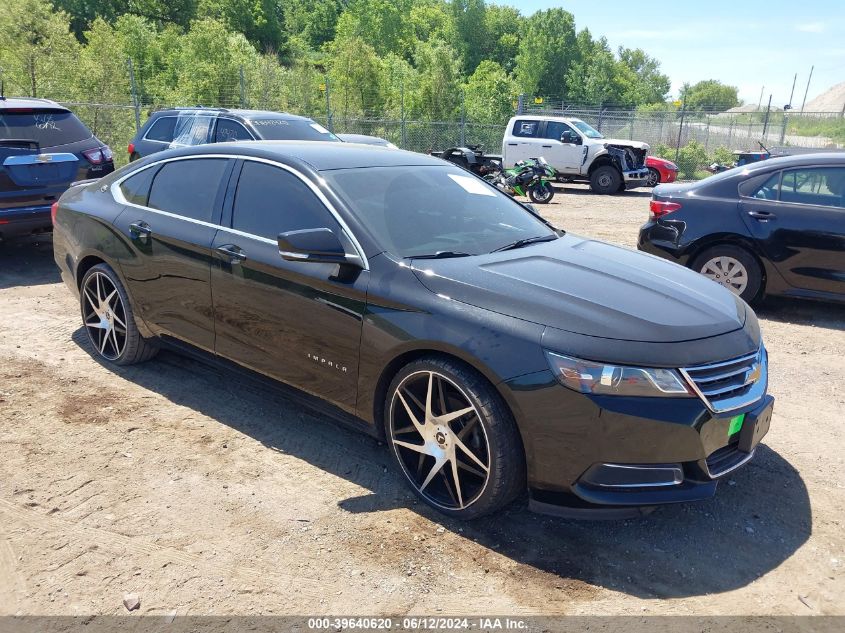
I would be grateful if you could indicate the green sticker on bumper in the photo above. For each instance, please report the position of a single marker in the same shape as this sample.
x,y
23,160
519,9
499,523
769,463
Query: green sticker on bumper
x,y
736,424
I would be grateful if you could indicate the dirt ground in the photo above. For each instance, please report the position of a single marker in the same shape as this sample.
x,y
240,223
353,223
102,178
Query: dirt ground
x,y
204,494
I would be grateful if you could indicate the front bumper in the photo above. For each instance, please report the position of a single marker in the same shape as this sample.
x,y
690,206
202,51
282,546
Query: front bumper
x,y
24,220
635,177
593,454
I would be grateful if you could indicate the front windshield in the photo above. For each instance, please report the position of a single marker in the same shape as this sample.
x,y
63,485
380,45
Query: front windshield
x,y
428,210
586,130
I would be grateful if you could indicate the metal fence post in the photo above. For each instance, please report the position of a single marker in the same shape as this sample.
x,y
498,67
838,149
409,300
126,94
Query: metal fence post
x,y
134,92
783,127
707,135
681,129
601,119
402,112
632,125
520,103
463,120
243,87
329,123
766,122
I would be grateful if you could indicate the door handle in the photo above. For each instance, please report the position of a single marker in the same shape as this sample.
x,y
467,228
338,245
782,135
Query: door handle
x,y
763,216
231,252
140,229
547,146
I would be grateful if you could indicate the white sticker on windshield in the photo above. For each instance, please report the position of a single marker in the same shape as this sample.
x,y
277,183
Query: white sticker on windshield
x,y
471,184
320,128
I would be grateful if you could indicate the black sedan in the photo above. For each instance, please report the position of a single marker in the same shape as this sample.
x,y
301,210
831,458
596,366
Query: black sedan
x,y
775,227
491,351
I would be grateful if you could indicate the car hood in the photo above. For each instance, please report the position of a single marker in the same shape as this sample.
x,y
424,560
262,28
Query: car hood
x,y
589,287
624,143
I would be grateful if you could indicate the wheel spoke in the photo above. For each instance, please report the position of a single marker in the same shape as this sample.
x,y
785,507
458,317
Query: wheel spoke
x,y
104,338
429,412
97,324
467,428
118,320
470,469
99,291
117,349
441,397
410,413
419,448
449,488
434,470
445,419
405,429
471,455
95,305
457,481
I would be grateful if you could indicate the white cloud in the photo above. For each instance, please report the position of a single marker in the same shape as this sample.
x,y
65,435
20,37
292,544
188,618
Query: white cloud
x,y
810,27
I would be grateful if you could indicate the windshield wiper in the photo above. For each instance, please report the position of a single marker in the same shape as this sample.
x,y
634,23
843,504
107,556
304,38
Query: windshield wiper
x,y
525,242
439,255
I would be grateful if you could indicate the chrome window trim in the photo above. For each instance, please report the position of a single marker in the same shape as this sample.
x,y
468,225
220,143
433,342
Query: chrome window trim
x,y
118,196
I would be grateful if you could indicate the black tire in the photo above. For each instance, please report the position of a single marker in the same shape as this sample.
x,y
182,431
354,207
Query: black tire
x,y
653,177
503,450
541,193
605,180
135,348
753,289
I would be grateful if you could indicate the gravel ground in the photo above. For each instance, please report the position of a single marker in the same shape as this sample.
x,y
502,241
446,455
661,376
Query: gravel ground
x,y
204,494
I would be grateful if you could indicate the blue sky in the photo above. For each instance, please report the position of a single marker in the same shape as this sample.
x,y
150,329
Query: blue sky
x,y
746,43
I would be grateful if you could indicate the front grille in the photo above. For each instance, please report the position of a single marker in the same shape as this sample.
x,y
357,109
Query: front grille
x,y
730,384
726,459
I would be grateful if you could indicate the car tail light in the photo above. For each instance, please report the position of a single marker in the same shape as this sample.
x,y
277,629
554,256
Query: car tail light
x,y
659,208
53,210
98,155
131,148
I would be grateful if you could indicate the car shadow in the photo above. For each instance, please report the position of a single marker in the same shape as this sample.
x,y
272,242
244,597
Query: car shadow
x,y
758,518
802,312
28,261
584,190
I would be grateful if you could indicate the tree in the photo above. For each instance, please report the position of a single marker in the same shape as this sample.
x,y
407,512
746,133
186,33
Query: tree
x,y
469,17
383,24
437,94
260,21
38,53
502,27
490,92
596,77
547,50
355,73
649,84
432,20
710,95
314,21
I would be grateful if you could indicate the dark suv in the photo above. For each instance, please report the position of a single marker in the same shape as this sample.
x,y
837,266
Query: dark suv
x,y
43,148
179,127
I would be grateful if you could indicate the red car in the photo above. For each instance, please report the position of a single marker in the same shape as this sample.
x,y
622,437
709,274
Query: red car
x,y
660,170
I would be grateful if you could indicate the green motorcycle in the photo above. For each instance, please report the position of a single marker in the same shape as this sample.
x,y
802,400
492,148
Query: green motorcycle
x,y
531,177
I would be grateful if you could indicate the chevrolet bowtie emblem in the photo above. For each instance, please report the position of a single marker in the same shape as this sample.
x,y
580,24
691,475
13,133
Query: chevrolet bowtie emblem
x,y
45,158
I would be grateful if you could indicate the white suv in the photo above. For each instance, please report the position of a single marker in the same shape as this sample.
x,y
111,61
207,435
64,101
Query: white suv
x,y
577,152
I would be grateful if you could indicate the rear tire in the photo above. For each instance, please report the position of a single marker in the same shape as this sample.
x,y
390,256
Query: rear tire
x,y
481,449
605,180
653,177
734,268
108,320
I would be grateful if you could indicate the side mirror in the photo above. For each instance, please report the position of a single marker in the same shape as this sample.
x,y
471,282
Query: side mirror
x,y
566,137
315,245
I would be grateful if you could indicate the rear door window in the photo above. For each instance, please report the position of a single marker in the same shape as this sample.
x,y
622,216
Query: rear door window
x,y
188,187
229,130
136,188
768,190
526,129
270,200
162,129
49,128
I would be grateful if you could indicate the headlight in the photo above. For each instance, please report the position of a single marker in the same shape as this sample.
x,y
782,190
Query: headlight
x,y
614,380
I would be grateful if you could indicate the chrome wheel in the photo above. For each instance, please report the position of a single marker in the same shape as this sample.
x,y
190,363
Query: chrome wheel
x,y
439,440
729,272
104,316
653,178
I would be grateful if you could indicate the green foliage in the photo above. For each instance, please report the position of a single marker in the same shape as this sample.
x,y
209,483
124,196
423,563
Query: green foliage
x,y
490,93
547,50
260,21
723,156
710,96
663,151
691,159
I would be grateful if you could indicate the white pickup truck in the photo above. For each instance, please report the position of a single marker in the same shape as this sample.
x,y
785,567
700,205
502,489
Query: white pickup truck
x,y
577,152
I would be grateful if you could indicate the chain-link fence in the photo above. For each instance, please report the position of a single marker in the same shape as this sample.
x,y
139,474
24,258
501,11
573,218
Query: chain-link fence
x,y
129,92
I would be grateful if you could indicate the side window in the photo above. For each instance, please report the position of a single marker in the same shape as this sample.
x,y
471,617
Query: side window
x,y
554,129
228,130
769,189
162,129
136,189
270,200
188,187
526,129
820,186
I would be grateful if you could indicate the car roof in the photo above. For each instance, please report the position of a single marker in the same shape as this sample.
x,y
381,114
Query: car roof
x,y
544,117
30,102
319,155
244,114
799,160
366,139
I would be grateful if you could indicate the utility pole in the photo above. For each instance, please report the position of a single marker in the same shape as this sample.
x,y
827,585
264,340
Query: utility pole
x,y
794,79
135,105
243,88
807,89
760,100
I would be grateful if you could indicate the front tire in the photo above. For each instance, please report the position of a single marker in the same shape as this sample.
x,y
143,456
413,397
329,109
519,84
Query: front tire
x,y
653,177
605,180
453,438
734,268
108,319
541,193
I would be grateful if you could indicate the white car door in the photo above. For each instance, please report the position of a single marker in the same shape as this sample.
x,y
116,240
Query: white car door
x,y
563,156
522,141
